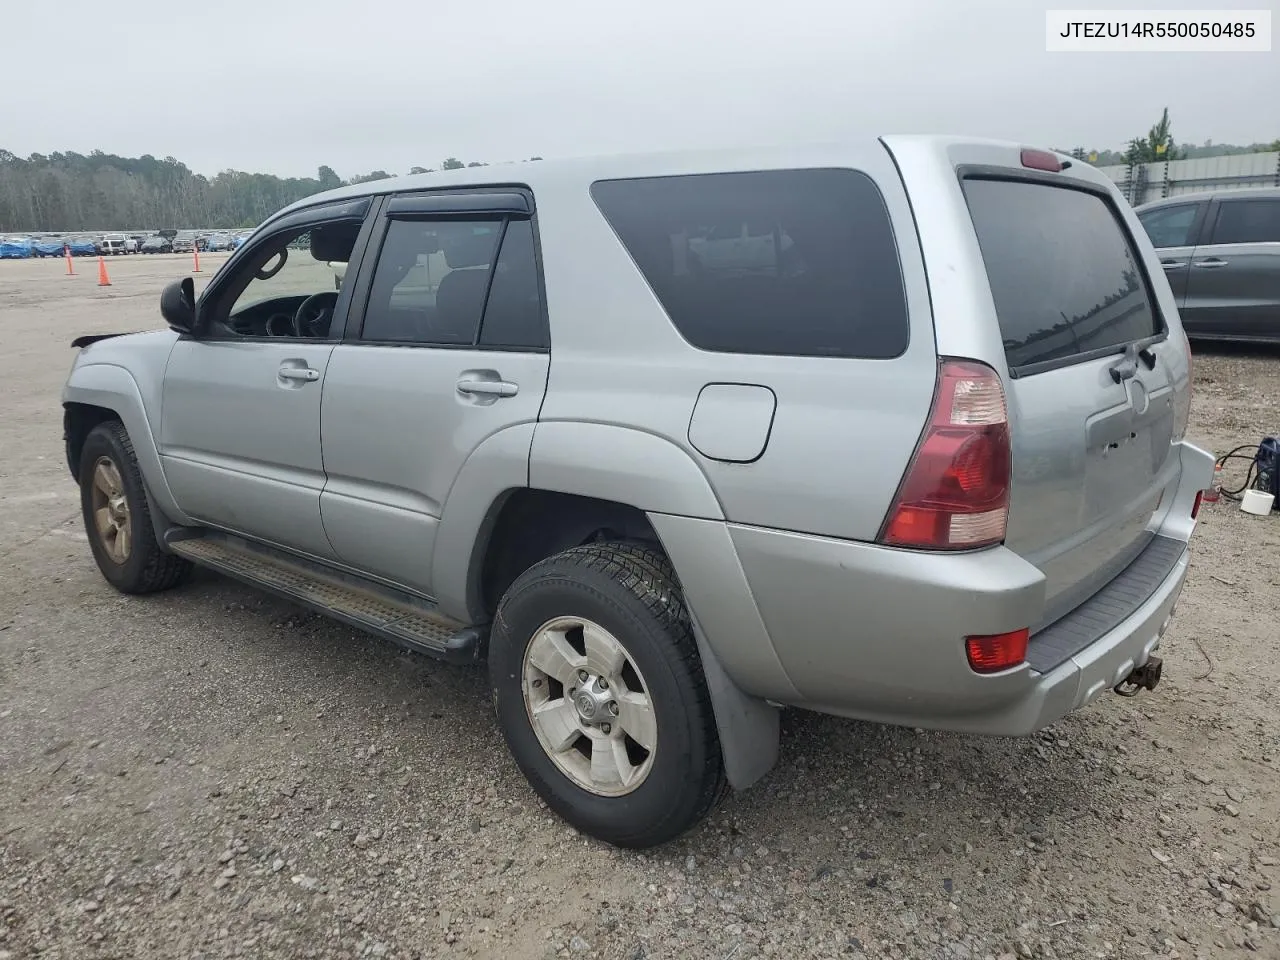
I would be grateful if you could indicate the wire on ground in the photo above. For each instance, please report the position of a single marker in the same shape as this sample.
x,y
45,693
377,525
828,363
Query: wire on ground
x,y
1252,473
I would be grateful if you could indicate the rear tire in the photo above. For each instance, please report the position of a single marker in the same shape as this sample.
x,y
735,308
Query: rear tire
x,y
117,517
639,763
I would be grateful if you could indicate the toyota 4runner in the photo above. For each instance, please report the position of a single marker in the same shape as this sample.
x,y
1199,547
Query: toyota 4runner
x,y
891,430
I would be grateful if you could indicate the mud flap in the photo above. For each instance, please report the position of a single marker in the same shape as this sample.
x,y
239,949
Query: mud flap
x,y
159,522
748,726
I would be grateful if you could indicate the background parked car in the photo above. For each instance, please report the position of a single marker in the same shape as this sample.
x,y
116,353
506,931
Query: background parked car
x,y
15,248
182,244
115,244
1221,254
156,244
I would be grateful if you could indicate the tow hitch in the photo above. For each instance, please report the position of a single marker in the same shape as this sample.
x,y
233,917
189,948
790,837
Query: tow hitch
x,y
1141,678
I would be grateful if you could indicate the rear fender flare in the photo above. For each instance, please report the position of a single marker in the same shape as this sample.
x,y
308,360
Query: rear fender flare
x,y
603,462
497,466
621,464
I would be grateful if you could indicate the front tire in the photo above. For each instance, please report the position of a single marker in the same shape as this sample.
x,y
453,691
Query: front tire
x,y
117,518
600,694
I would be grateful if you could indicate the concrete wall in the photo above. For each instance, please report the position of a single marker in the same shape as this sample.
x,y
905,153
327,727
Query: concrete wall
x,y
1154,181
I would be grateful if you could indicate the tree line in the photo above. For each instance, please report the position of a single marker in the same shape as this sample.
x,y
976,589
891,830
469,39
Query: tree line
x,y
1157,144
102,191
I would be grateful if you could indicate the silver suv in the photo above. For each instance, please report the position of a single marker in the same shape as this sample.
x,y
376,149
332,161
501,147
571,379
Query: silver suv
x,y
891,430
114,244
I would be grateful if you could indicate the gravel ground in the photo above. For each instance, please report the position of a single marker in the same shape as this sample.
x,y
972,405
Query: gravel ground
x,y
214,773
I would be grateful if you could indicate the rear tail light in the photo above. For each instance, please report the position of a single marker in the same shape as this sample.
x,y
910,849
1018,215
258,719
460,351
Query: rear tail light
x,y
1195,507
955,495
1000,651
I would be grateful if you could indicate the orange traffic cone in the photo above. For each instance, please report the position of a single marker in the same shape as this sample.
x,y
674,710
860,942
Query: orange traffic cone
x,y
66,251
103,281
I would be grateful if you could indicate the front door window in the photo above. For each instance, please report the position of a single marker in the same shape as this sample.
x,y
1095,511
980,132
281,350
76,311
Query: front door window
x,y
288,286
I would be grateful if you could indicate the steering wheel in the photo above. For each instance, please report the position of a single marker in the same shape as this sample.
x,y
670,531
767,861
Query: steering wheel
x,y
312,311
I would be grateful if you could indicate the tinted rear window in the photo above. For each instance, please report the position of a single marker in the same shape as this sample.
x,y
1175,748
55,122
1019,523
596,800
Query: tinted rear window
x,y
786,262
1063,274
1248,221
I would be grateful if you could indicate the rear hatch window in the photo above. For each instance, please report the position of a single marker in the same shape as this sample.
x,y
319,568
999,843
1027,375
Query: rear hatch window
x,y
1063,273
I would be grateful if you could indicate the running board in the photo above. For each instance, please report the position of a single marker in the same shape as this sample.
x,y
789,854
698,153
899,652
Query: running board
x,y
383,611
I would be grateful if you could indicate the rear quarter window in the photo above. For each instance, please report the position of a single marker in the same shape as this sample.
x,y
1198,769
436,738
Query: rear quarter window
x,y
783,262
1063,274
1248,221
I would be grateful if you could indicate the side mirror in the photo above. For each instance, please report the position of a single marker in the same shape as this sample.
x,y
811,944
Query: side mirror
x,y
178,305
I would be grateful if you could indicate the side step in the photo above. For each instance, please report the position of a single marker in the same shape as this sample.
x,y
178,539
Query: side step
x,y
383,611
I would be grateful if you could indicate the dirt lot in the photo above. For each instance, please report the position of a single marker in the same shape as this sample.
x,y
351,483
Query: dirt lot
x,y
213,773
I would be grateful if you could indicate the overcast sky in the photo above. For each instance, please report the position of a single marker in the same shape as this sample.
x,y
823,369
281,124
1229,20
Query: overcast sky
x,y
281,86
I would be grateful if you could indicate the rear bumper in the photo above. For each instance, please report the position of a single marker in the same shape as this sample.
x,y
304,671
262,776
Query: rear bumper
x,y
864,631
1076,683
1103,664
